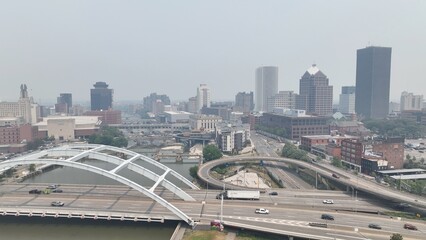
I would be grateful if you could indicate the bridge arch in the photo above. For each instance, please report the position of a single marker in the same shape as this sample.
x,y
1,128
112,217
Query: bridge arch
x,y
78,152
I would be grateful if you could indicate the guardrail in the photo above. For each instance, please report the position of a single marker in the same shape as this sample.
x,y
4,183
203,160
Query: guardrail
x,y
86,215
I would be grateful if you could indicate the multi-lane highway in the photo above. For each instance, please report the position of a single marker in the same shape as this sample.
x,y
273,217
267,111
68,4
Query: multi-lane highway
x,y
289,211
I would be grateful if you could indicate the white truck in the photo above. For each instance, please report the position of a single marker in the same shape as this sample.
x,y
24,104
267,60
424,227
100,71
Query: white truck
x,y
239,194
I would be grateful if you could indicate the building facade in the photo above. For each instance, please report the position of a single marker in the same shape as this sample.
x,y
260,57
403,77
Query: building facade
x,y
206,123
244,102
296,126
283,99
315,94
266,85
232,137
347,100
373,69
203,97
24,108
107,117
411,102
101,97
352,151
392,150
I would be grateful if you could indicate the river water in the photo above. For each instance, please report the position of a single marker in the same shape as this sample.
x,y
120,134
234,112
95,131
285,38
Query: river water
x,y
23,228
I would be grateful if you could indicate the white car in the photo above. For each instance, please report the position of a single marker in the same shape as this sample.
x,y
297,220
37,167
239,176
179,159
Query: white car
x,y
328,201
262,211
57,204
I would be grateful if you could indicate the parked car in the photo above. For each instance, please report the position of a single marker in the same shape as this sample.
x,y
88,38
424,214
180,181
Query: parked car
x,y
327,217
327,201
262,211
34,191
410,226
57,190
375,226
273,193
57,204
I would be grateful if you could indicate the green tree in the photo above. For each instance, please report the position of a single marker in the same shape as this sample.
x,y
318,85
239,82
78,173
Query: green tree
x,y
32,167
211,152
193,171
419,187
396,236
336,162
109,136
291,151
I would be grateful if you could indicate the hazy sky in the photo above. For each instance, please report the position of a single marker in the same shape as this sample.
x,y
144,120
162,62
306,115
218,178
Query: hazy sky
x,y
170,47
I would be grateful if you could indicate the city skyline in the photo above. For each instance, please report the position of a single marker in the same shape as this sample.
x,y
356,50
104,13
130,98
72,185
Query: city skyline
x,y
150,47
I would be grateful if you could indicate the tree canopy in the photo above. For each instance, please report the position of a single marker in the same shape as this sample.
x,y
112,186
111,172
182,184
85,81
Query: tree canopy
x,y
396,127
109,136
396,236
211,152
291,151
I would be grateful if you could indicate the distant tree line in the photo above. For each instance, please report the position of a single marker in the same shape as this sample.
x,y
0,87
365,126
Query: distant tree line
x,y
396,127
109,136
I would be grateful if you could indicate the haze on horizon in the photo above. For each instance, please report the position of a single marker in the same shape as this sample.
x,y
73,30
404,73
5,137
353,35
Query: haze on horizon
x,y
170,47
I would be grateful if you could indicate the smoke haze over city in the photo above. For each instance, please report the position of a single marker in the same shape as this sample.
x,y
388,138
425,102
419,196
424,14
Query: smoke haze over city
x,y
171,47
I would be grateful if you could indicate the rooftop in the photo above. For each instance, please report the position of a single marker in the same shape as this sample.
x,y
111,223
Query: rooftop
x,y
313,69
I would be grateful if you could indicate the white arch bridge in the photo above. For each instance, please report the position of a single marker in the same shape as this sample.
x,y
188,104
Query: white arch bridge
x,y
74,155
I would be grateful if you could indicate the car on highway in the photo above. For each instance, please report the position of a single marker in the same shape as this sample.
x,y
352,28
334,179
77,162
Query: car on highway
x,y
34,191
375,226
262,211
273,193
328,201
335,175
410,226
327,217
53,186
57,190
57,204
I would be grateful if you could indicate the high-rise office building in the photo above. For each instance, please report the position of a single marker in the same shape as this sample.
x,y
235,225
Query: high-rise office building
x,y
409,101
203,97
373,67
347,100
153,101
101,97
266,86
315,95
64,103
244,102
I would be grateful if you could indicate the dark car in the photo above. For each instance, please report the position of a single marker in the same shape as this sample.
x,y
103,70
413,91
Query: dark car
x,y
273,193
327,217
410,226
375,226
57,190
335,175
34,191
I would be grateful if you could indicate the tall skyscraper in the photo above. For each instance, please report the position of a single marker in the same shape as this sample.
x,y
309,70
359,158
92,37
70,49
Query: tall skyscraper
x,y
24,108
101,97
203,97
266,86
409,101
64,103
315,95
373,66
347,100
244,102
